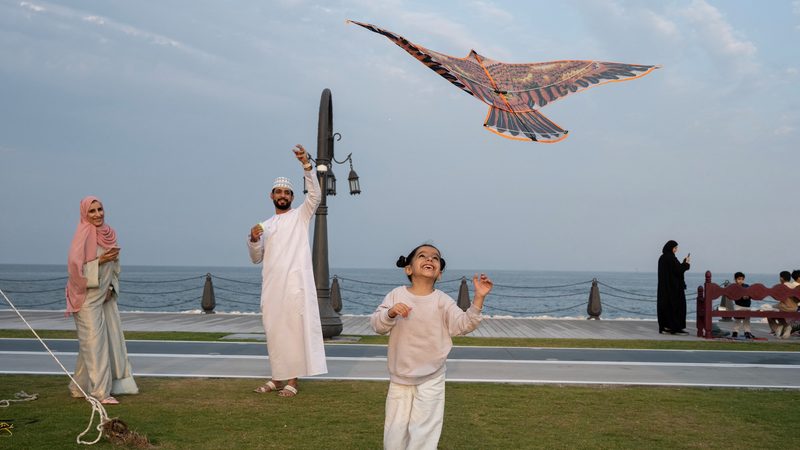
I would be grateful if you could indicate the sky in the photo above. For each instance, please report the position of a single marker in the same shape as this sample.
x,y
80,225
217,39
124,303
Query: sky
x,y
179,114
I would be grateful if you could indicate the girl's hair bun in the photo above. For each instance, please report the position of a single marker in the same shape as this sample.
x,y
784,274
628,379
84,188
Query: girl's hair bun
x,y
401,262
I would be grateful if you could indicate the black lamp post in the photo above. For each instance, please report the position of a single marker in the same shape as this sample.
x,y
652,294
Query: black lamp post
x,y
330,319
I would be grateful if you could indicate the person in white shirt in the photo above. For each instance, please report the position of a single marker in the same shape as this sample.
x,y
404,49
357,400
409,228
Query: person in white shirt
x,y
421,321
289,308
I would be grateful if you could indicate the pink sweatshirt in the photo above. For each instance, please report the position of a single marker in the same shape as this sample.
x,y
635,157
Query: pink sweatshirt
x,y
419,344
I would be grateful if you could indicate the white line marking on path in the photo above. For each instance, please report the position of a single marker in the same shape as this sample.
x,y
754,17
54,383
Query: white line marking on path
x,y
452,361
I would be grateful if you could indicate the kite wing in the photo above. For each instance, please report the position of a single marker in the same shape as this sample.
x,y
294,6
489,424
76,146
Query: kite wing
x,y
515,92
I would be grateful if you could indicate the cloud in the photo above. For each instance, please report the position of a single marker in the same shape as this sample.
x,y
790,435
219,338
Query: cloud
x,y
719,38
671,34
7,150
115,26
32,7
622,29
660,24
410,23
495,12
784,130
796,11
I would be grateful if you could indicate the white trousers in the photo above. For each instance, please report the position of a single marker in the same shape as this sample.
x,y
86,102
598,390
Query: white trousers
x,y
737,323
414,415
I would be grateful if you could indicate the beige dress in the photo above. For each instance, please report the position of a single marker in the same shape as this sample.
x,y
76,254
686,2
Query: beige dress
x,y
103,367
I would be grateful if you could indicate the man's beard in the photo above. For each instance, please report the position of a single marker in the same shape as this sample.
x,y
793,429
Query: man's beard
x,y
283,206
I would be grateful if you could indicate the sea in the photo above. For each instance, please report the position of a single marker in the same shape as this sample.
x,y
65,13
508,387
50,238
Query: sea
x,y
528,294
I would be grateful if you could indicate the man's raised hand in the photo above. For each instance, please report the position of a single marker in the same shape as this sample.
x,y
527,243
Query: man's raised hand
x,y
301,154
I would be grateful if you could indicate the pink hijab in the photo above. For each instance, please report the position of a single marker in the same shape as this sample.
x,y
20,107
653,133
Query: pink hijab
x,y
83,250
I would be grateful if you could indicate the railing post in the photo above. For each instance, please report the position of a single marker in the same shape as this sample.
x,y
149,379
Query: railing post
x,y
336,295
594,308
208,303
726,303
701,312
463,295
707,306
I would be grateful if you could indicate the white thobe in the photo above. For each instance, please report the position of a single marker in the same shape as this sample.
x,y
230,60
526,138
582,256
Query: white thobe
x,y
289,308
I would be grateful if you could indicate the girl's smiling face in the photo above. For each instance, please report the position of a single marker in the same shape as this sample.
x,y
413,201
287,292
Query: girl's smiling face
x,y
426,263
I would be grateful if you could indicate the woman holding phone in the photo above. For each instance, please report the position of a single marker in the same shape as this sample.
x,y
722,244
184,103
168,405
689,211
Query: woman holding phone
x,y
671,300
92,290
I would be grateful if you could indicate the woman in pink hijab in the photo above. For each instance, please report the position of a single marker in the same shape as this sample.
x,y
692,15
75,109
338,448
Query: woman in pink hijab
x,y
92,290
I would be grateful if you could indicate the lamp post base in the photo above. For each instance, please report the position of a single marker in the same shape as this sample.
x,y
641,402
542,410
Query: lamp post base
x,y
330,330
329,319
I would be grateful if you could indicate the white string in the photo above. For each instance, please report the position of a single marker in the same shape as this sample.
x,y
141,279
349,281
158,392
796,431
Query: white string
x,y
20,396
97,407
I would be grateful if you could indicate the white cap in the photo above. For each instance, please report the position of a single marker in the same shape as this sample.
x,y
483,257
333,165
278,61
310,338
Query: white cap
x,y
282,182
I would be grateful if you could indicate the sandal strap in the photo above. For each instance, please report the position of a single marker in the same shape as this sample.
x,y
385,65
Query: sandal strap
x,y
269,386
290,388
109,401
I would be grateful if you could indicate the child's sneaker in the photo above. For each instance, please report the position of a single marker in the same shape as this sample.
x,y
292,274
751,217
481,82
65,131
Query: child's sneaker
x,y
748,335
734,335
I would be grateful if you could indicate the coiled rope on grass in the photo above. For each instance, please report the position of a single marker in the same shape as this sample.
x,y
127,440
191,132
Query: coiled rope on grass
x,y
20,396
115,429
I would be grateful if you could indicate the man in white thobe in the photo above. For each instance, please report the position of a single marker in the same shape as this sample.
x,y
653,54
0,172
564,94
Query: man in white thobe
x,y
288,293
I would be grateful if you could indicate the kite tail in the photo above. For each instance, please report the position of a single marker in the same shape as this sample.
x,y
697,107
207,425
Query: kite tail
x,y
523,126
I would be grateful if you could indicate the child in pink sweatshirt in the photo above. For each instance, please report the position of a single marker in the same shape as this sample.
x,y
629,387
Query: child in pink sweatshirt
x,y
421,320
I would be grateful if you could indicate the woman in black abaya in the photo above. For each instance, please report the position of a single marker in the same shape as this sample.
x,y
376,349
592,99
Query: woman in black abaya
x,y
671,303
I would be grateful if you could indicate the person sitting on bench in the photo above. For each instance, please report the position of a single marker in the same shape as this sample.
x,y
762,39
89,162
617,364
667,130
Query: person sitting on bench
x,y
780,326
742,304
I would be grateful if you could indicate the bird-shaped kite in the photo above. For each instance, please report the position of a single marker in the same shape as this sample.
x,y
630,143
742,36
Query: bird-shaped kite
x,y
516,92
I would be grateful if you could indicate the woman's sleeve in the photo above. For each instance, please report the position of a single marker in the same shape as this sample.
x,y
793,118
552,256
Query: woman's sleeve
x,y
91,271
379,320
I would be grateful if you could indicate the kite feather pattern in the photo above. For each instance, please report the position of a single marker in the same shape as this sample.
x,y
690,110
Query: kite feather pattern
x,y
516,92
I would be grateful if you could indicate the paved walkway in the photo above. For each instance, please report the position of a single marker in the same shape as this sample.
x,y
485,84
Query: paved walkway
x,y
359,325
530,365
368,362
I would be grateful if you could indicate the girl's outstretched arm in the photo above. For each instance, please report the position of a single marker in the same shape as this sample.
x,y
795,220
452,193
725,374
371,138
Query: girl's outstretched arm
x,y
483,285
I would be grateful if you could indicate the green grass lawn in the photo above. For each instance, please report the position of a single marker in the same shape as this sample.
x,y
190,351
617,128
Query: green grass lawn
x,y
189,413
183,413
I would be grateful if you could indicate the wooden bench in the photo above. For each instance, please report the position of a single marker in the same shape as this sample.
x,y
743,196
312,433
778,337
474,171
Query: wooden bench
x,y
708,292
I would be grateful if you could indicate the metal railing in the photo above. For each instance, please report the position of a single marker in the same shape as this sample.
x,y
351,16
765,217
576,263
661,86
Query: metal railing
x,y
178,293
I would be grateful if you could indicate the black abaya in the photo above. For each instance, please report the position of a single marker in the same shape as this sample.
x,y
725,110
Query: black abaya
x,y
671,304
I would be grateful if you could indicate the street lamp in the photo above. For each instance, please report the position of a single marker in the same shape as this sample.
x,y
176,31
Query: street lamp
x,y
330,320
330,179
